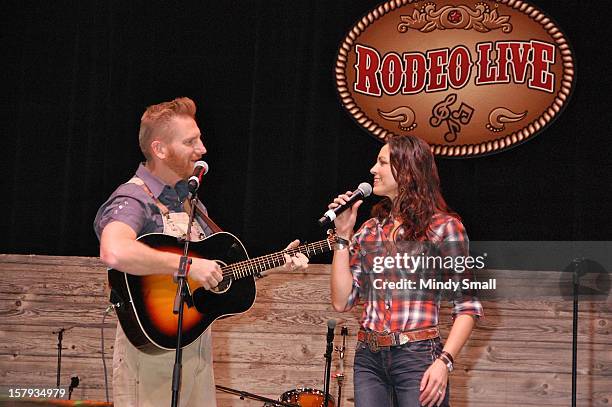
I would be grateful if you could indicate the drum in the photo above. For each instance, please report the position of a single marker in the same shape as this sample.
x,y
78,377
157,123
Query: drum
x,y
306,398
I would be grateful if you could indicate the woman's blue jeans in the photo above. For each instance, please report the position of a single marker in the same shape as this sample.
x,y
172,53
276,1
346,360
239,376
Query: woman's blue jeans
x,y
392,375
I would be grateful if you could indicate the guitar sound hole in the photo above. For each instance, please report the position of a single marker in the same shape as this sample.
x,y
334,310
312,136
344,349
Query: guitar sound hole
x,y
223,286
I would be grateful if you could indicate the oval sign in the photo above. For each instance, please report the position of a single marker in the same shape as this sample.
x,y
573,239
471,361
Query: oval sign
x,y
470,78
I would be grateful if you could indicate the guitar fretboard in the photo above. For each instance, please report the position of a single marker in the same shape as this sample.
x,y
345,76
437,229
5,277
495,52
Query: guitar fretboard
x,y
257,265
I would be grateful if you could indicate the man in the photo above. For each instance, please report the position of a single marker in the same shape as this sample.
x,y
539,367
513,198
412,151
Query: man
x,y
153,201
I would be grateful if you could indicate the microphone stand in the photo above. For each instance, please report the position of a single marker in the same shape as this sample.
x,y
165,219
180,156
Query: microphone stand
x,y
340,375
182,296
328,360
577,272
60,338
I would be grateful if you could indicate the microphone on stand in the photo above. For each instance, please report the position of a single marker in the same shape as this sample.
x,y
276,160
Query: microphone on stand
x,y
200,168
363,191
331,325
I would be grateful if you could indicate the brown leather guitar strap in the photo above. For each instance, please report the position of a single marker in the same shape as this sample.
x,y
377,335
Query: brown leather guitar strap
x,y
212,225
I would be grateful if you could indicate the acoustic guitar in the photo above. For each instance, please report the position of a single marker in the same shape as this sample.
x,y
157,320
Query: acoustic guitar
x,y
145,303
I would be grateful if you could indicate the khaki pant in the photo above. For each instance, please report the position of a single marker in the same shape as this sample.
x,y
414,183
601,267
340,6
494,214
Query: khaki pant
x,y
143,380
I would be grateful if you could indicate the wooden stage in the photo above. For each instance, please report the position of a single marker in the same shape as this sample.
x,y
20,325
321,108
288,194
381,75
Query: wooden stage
x,y
519,355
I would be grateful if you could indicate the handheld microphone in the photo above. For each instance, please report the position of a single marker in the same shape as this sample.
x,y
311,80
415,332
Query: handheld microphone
x,y
363,190
331,325
199,169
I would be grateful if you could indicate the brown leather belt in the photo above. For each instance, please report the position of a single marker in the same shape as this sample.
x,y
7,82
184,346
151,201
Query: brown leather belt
x,y
376,340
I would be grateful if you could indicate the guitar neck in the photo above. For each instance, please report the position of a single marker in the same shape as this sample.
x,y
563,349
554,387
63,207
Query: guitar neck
x,y
260,264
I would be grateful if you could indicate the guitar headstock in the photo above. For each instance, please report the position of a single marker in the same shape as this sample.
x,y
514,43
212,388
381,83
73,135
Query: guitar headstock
x,y
335,241
331,236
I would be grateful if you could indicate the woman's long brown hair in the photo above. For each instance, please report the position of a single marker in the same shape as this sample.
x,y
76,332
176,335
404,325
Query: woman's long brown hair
x,y
419,196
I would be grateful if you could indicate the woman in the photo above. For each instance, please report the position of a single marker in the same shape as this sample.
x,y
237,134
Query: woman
x,y
399,354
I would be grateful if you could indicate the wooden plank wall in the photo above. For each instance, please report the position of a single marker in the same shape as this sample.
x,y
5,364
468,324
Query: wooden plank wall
x,y
520,354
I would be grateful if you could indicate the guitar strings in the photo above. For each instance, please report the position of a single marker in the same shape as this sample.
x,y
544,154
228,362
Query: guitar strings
x,y
273,258
276,259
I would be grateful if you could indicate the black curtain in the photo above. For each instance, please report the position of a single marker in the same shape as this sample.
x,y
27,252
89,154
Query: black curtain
x,y
78,75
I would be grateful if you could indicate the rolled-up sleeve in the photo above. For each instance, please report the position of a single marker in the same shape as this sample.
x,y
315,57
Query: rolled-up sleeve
x,y
456,244
467,305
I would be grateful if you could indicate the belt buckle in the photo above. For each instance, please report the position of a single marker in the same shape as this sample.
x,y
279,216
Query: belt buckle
x,y
373,343
403,339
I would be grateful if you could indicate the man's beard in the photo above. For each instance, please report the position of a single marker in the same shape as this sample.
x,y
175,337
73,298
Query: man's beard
x,y
177,164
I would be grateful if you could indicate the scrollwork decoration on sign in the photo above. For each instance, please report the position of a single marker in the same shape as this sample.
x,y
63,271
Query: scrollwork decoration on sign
x,y
403,114
501,115
481,18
